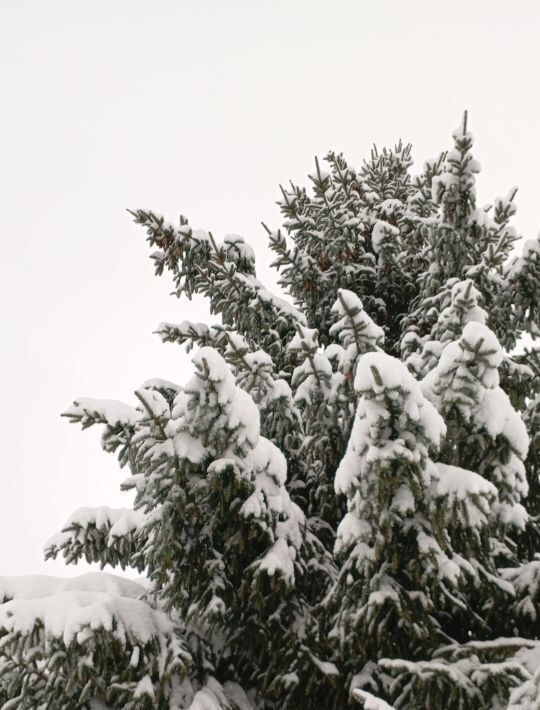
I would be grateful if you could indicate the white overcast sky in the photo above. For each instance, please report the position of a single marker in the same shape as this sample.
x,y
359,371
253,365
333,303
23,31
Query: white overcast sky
x,y
200,108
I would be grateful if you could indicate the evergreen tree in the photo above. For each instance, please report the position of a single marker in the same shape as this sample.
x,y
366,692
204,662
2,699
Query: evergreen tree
x,y
386,538
341,508
485,432
215,529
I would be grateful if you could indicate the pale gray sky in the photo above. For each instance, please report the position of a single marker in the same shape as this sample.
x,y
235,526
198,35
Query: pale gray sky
x,y
201,108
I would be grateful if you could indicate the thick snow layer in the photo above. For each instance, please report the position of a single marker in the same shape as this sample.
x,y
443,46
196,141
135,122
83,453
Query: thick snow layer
x,y
107,410
258,359
40,586
458,483
370,701
526,696
278,559
490,348
71,616
280,389
188,447
144,687
209,361
121,522
271,497
215,696
304,339
386,376
154,403
236,342
267,457
245,415
212,696
213,366
497,415
351,529
467,495
240,412
378,371
159,383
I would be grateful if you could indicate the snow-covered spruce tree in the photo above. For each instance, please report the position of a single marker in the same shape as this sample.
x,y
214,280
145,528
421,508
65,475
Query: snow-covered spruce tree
x,y
341,508
218,536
